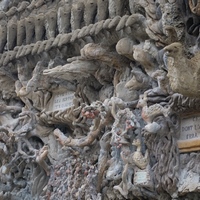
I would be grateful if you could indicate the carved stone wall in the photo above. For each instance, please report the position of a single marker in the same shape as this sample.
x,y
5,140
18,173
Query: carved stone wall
x,y
99,99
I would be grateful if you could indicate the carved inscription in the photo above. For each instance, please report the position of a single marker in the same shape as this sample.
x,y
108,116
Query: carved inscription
x,y
141,177
190,128
63,101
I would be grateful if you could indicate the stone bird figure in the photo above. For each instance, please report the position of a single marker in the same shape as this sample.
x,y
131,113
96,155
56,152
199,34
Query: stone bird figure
x,y
183,73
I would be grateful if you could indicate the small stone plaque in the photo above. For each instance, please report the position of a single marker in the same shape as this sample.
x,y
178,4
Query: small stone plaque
x,y
141,177
190,128
62,101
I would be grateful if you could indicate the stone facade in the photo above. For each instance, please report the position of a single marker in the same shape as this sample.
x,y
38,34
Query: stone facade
x,y
99,99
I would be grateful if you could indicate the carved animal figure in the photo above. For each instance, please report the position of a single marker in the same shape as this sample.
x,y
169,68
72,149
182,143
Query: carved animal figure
x,y
103,158
183,73
138,159
63,19
149,112
77,15
8,57
2,15
11,34
116,7
30,29
143,56
24,72
36,4
34,82
23,6
139,81
51,24
90,11
21,32
102,10
3,35
39,3
11,12
163,82
39,27
73,70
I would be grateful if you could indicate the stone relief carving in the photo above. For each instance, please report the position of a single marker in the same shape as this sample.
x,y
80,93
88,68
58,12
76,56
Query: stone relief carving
x,y
99,99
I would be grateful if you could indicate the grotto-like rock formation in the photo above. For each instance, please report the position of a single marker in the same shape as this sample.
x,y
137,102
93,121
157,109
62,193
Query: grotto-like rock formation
x,y
99,99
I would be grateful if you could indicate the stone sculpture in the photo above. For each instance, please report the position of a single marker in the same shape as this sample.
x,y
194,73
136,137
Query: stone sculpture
x,y
99,99
178,64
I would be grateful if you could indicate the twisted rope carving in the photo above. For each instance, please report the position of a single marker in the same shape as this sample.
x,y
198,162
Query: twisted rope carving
x,y
116,24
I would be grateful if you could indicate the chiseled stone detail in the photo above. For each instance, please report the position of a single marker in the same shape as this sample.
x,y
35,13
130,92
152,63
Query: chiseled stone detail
x,y
99,99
